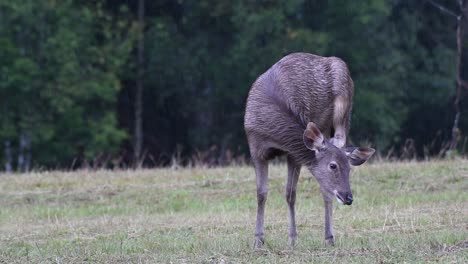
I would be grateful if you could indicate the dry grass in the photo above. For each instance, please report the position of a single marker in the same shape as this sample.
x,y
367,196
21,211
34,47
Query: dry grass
x,y
403,212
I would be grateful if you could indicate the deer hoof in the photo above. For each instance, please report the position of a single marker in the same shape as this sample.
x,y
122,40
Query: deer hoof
x,y
292,242
258,243
330,242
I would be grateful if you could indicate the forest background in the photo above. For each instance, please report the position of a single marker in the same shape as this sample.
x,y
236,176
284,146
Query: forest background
x,y
121,83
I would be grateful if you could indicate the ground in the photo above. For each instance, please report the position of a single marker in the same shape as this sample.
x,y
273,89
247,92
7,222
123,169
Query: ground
x,y
414,212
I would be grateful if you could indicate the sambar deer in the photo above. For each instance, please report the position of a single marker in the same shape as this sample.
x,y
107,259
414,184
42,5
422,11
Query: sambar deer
x,y
301,107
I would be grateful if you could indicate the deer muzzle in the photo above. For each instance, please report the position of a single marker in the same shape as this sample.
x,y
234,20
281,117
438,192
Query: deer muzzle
x,y
344,197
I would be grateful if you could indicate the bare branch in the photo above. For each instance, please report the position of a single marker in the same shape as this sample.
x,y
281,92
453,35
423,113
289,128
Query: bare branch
x,y
443,9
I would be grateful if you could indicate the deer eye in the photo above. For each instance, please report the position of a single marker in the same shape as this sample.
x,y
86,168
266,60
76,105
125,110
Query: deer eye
x,y
333,166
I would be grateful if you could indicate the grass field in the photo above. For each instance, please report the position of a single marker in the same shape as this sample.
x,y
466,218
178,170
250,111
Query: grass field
x,y
403,212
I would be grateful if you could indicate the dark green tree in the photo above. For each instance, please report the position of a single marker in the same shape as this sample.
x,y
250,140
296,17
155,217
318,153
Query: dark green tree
x,y
61,80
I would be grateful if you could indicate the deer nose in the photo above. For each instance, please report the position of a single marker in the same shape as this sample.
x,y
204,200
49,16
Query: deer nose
x,y
349,199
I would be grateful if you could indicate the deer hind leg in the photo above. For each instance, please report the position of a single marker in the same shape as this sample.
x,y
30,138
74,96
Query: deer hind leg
x,y
261,171
291,186
341,112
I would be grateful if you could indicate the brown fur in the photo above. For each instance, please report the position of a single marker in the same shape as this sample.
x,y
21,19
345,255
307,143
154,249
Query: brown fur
x,y
298,89
301,107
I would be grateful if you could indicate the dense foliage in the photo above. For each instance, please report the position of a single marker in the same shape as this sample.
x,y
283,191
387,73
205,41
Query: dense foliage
x,y
68,71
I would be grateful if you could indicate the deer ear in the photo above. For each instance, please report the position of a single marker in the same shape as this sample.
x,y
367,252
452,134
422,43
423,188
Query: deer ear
x,y
358,156
313,138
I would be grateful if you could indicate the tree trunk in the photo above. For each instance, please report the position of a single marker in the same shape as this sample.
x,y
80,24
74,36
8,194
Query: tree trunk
x,y
138,140
24,153
8,157
459,85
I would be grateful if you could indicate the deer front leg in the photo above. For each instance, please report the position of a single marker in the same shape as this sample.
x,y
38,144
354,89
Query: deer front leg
x,y
290,193
261,171
329,234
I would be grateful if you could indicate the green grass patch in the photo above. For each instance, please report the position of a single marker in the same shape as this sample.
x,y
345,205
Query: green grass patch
x,y
403,212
